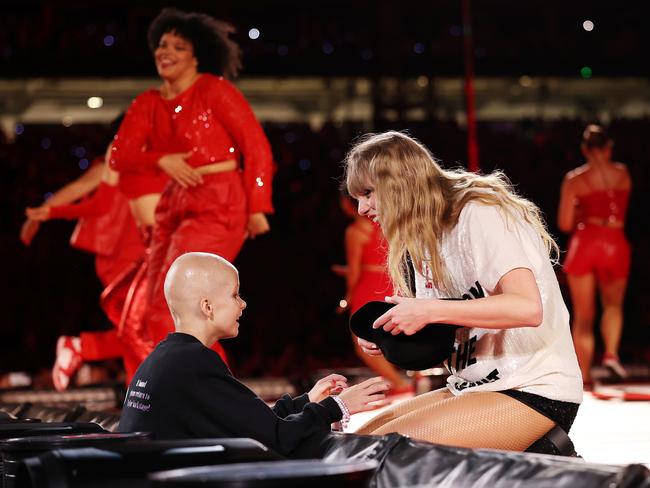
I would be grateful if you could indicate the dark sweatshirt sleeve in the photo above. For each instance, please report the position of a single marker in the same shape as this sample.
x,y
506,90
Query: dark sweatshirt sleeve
x,y
287,405
231,406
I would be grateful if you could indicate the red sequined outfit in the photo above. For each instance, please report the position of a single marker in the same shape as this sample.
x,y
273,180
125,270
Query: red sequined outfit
x,y
373,284
599,249
213,121
107,229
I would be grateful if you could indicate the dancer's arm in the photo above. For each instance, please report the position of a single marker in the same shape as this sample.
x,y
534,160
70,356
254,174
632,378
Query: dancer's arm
x,y
98,204
130,151
566,213
71,192
237,117
80,187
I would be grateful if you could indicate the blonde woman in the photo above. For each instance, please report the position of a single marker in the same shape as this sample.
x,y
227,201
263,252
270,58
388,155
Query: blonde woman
x,y
455,234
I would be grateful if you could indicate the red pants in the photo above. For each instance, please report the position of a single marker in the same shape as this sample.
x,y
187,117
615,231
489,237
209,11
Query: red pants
x,y
128,251
123,302
100,345
599,250
211,217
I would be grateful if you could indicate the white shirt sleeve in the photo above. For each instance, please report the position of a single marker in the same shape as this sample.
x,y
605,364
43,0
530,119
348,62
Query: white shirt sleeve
x,y
494,241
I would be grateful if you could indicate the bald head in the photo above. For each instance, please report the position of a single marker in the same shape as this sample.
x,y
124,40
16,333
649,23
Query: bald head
x,y
195,278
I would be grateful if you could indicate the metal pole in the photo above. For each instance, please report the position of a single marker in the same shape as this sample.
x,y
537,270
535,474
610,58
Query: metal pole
x,y
470,107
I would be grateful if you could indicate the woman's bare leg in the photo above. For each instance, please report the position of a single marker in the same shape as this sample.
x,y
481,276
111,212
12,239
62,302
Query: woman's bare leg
x,y
583,299
611,323
476,420
402,409
380,366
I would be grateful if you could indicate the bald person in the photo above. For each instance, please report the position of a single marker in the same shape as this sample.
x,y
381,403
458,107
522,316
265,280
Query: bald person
x,y
184,389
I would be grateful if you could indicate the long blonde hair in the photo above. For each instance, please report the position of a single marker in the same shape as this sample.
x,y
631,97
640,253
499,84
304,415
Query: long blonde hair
x,y
418,201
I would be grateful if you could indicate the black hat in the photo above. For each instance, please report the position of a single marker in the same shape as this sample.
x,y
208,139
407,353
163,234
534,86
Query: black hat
x,y
426,348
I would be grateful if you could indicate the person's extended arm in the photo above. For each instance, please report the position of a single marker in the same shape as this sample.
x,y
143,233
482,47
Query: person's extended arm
x,y
71,192
98,204
236,115
496,243
237,409
516,304
78,188
566,212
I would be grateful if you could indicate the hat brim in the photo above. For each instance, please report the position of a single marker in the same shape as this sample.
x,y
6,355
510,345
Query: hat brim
x,y
426,348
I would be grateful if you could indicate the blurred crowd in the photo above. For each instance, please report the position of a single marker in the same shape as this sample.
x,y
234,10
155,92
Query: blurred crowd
x,y
71,38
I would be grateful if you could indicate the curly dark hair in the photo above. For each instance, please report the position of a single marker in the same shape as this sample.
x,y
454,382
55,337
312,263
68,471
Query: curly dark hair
x,y
215,52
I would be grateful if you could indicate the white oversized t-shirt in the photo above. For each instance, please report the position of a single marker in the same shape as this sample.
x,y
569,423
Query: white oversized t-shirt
x,y
484,246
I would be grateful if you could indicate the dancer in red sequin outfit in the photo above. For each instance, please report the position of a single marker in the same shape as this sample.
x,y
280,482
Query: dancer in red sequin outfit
x,y
593,206
196,129
106,229
366,280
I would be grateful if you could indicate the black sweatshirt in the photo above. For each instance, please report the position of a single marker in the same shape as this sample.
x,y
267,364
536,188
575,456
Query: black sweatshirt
x,y
184,390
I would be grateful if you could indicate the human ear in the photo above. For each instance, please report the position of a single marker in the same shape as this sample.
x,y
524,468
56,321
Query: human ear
x,y
206,308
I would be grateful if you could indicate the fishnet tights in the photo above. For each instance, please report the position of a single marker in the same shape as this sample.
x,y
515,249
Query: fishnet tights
x,y
476,420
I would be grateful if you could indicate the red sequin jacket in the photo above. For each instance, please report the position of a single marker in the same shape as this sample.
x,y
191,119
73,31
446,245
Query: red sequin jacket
x,y
212,119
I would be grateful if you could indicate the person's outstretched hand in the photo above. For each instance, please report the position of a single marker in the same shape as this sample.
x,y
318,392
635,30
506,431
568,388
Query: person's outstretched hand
x,y
359,397
257,225
324,387
175,165
370,348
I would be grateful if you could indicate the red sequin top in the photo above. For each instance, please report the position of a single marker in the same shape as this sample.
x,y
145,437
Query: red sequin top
x,y
212,119
374,251
604,204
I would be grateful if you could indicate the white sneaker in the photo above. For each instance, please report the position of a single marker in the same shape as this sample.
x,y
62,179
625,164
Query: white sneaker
x,y
615,367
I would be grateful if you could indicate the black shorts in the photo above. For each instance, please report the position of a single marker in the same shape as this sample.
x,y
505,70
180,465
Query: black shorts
x,y
562,413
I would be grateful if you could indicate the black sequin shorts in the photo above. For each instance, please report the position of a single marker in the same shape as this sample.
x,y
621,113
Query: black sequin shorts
x,y
562,413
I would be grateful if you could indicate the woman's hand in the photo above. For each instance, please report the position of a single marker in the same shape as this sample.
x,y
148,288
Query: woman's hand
x,y
28,231
358,397
175,165
409,315
39,214
257,225
324,387
370,348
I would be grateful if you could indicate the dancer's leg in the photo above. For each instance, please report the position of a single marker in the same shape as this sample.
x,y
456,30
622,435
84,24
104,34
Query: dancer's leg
x,y
583,299
611,323
100,345
380,366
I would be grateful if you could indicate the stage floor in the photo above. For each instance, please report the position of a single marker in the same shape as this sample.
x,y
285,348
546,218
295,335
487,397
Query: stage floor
x,y
605,431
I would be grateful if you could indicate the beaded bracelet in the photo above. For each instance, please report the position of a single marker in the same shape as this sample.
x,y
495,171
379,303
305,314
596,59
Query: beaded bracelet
x,y
345,420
